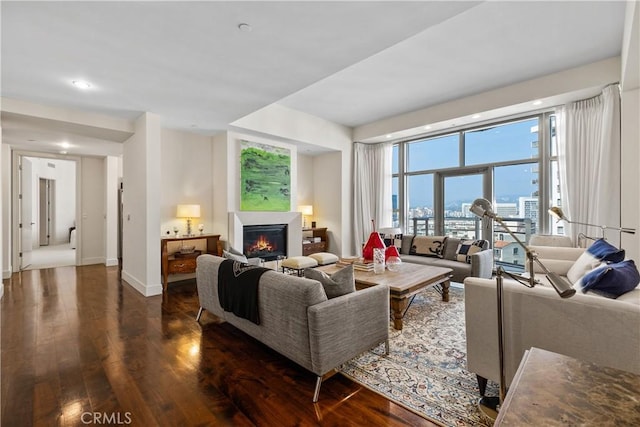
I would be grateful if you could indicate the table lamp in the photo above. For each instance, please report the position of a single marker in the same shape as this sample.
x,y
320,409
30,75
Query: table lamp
x,y
557,213
305,210
482,208
188,212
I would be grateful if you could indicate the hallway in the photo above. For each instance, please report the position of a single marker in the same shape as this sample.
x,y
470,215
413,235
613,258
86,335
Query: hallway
x,y
52,256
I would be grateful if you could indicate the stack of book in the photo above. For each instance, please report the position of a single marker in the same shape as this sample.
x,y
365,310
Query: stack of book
x,y
358,263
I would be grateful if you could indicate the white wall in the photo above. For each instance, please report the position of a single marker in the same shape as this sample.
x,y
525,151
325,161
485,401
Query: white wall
x,y
187,178
305,184
112,167
141,204
2,215
91,226
5,166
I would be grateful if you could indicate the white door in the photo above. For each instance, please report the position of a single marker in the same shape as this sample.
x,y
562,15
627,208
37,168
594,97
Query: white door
x,y
26,212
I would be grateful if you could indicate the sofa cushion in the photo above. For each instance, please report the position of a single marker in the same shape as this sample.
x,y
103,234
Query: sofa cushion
x,y
407,241
600,251
466,248
429,246
450,248
612,280
340,283
234,255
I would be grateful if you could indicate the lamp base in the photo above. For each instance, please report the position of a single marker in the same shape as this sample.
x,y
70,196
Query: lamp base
x,y
488,405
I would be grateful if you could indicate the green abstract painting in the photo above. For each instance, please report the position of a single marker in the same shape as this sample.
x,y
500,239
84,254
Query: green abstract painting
x,y
265,177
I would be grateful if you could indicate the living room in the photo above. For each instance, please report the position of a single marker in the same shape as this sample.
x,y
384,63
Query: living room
x,y
164,161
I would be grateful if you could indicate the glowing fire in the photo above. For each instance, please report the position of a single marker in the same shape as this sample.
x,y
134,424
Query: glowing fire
x,y
261,244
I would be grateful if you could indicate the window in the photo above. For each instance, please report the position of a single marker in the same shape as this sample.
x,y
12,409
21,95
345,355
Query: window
x,y
513,163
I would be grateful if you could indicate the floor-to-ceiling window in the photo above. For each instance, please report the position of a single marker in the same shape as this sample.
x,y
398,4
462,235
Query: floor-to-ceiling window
x,y
512,163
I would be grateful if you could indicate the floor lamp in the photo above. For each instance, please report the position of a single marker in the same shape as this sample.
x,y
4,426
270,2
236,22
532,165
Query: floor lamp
x,y
482,208
557,213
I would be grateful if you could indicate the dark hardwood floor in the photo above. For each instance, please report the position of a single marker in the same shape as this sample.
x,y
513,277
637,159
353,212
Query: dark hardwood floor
x,y
81,347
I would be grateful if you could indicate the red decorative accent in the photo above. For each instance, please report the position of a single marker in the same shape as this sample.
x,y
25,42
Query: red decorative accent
x,y
375,241
391,251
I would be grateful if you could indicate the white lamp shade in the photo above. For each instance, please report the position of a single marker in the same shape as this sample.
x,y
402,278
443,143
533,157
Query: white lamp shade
x,y
305,210
188,211
390,231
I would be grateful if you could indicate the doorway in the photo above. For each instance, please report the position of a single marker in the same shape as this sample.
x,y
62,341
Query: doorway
x,y
46,204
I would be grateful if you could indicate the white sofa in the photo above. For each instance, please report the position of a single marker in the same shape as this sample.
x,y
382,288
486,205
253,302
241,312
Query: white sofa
x,y
586,326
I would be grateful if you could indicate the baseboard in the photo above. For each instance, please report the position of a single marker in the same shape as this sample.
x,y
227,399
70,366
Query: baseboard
x,y
6,274
111,262
1,290
147,291
93,260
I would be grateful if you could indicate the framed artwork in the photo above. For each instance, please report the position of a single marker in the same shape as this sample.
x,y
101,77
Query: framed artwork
x,y
265,177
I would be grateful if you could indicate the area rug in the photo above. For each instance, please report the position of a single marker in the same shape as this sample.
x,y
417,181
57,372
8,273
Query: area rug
x,y
425,370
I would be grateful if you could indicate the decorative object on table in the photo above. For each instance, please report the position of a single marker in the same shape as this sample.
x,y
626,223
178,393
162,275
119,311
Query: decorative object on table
x,y
201,229
313,224
394,263
378,260
176,231
305,210
557,213
375,241
265,177
482,208
187,249
188,212
391,251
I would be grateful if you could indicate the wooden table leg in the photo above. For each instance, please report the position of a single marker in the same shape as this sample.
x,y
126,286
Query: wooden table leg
x,y
398,306
445,290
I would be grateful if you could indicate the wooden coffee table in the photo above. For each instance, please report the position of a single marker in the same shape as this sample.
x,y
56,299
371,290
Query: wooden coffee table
x,y
403,284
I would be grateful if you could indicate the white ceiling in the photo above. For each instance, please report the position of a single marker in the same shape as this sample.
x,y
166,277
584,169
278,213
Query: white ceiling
x,y
349,62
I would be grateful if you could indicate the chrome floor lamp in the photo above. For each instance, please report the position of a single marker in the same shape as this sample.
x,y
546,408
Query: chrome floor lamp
x,y
482,208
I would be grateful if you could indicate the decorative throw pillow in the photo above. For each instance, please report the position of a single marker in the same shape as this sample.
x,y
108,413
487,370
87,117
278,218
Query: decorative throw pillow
x,y
234,256
407,242
612,280
340,283
429,246
600,251
466,248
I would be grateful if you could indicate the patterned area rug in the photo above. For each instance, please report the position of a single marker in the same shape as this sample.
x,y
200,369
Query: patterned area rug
x,y
425,370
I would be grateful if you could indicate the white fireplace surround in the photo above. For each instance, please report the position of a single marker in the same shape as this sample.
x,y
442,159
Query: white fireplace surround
x,y
237,220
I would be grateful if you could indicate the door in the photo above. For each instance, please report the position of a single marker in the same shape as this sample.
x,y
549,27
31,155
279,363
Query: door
x,y
455,194
25,206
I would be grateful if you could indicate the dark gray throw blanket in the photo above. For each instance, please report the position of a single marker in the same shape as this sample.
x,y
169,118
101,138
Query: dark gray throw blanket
x,y
238,289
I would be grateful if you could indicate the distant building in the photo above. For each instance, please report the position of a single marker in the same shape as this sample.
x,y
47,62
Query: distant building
x,y
506,210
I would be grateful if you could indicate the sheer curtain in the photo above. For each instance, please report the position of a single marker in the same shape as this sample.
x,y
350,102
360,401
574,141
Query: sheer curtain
x,y
372,189
588,133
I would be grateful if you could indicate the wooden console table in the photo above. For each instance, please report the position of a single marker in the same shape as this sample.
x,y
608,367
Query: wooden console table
x,y
314,247
551,389
185,263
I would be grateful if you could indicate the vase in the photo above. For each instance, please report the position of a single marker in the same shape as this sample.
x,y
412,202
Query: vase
x,y
378,260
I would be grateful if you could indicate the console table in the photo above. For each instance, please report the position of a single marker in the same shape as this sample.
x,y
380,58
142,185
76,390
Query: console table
x,y
185,263
553,389
314,247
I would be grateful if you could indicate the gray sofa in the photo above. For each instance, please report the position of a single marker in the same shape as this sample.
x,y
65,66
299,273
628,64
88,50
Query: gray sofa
x,y
586,326
443,254
299,322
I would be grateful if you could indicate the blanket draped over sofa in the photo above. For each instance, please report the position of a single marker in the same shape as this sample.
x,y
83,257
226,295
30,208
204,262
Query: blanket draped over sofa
x,y
238,289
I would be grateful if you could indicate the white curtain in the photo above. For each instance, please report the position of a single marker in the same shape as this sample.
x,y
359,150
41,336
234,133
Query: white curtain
x,y
372,189
588,133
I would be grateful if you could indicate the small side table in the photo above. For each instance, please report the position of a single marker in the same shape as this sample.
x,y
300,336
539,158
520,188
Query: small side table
x,y
553,389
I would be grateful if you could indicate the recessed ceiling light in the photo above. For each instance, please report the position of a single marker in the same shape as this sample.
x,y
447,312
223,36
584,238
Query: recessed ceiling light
x,y
389,136
64,145
475,116
81,84
63,152
244,27
537,102
427,127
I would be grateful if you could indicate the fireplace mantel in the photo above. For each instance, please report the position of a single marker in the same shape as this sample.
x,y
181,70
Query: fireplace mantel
x,y
293,220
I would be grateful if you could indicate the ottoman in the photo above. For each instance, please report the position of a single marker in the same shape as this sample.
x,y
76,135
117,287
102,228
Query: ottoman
x,y
324,258
297,264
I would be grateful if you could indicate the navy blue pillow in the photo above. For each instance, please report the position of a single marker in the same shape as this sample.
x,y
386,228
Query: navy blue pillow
x,y
605,251
612,280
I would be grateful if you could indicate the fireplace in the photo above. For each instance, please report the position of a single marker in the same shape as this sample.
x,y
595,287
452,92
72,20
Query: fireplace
x,y
264,241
